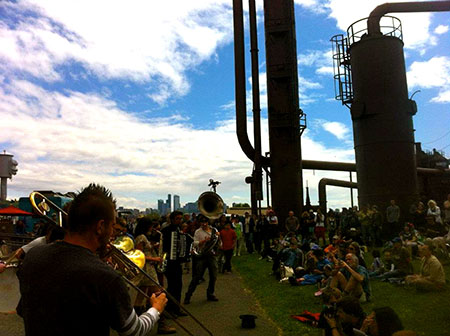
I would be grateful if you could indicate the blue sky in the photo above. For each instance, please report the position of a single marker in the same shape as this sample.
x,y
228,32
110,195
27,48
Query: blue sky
x,y
139,95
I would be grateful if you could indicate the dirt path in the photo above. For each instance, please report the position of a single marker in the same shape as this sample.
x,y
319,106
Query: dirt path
x,y
221,318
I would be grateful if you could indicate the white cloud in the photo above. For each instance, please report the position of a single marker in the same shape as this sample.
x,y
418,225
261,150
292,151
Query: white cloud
x,y
315,6
441,29
338,129
416,26
443,97
322,60
122,44
434,73
65,141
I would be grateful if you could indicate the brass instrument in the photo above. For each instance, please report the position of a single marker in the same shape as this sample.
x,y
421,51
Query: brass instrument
x,y
161,268
210,204
42,205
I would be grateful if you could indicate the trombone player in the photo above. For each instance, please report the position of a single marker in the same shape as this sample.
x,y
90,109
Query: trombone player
x,y
67,290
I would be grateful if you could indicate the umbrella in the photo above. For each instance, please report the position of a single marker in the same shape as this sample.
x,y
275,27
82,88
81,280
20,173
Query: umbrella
x,y
13,211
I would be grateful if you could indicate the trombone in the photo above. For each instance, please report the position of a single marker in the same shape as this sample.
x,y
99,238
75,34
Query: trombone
x,y
119,260
42,205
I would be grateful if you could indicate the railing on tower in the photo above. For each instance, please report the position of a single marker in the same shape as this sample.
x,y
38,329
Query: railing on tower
x,y
343,88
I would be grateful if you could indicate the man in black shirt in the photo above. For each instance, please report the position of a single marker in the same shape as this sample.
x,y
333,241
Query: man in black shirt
x,y
67,290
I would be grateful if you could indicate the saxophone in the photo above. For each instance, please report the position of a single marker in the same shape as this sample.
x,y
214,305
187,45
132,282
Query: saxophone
x,y
161,268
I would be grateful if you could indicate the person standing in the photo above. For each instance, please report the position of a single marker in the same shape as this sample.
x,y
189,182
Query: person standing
x,y
376,222
228,237
392,218
174,271
237,226
144,228
319,229
273,221
249,225
81,295
206,241
291,223
447,211
434,211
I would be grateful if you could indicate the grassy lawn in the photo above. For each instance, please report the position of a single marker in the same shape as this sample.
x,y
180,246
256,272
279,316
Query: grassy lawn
x,y
426,313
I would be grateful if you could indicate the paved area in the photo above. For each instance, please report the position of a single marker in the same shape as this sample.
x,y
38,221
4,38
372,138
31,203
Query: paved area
x,y
221,318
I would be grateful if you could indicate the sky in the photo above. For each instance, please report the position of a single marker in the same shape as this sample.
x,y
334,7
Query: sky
x,y
139,95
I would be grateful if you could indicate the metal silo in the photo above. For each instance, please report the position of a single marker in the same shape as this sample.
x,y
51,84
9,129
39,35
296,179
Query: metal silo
x,y
382,121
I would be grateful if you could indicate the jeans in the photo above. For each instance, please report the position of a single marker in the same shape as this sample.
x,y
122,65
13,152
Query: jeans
x,y
205,262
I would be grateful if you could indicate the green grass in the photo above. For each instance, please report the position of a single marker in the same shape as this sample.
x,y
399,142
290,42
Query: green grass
x,y
426,313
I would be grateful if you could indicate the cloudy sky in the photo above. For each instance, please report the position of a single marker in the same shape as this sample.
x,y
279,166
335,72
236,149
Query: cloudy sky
x,y
139,95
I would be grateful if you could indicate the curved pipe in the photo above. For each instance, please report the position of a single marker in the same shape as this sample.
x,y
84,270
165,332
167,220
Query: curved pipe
x,y
240,92
373,23
323,190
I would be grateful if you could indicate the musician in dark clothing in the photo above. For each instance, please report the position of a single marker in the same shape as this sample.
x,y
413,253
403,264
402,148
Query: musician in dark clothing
x,y
206,241
67,290
174,272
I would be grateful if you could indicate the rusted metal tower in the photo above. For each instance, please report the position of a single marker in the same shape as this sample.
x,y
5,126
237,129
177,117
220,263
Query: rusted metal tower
x,y
371,80
284,165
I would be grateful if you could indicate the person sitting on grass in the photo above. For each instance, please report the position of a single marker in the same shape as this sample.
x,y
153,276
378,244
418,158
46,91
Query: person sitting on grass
x,y
377,266
292,256
381,322
317,273
431,276
348,318
333,248
357,277
330,297
333,278
355,249
401,260
409,238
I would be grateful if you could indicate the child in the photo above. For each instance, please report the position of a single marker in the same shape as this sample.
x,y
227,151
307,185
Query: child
x,y
377,266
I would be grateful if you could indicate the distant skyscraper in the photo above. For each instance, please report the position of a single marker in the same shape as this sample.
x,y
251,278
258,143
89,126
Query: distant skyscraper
x,y
176,202
161,207
169,203
191,207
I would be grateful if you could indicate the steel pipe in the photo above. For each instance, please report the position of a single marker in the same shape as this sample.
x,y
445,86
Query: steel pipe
x,y
373,23
323,192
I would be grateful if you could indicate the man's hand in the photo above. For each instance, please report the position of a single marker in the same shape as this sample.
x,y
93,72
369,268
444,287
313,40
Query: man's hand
x,y
368,322
2,267
331,321
343,264
158,302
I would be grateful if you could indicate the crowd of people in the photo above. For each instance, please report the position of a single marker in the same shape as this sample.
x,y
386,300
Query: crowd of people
x,y
324,250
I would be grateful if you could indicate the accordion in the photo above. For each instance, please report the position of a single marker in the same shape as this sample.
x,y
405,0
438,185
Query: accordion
x,y
179,249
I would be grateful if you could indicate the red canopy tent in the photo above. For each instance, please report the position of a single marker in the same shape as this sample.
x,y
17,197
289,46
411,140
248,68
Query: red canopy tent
x,y
13,211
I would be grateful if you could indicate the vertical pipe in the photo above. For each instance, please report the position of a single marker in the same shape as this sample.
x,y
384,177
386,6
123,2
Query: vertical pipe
x,y
256,102
239,78
351,190
3,188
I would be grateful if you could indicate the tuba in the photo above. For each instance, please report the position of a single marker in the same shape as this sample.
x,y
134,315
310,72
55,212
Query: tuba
x,y
211,205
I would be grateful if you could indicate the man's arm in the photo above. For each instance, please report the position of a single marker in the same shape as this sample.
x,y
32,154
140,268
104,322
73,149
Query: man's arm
x,y
358,277
130,324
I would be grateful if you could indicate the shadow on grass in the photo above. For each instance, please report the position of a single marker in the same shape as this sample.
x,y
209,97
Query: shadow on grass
x,y
426,313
